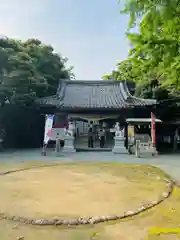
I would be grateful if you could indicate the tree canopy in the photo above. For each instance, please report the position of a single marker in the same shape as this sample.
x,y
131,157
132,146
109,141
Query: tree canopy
x,y
29,69
154,58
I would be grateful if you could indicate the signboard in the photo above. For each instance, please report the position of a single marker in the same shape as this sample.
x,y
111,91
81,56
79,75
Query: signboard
x,y
57,133
131,131
112,130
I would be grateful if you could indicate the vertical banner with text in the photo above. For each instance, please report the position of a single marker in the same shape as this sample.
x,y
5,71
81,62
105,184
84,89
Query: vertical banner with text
x,y
153,130
48,128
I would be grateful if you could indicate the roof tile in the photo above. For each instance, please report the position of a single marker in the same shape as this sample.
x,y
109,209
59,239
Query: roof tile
x,y
94,94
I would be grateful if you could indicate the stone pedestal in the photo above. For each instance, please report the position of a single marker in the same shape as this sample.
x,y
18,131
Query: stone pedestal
x,y
137,148
119,145
69,144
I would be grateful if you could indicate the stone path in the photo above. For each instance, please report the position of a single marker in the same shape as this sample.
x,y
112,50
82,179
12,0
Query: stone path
x,y
169,162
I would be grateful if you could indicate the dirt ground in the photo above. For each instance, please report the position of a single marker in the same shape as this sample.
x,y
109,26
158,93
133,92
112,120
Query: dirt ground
x,y
85,189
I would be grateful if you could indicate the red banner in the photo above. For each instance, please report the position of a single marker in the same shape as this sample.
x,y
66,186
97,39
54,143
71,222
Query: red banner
x,y
153,130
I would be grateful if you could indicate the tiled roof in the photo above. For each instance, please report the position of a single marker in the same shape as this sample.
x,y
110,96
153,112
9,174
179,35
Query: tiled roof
x,y
94,95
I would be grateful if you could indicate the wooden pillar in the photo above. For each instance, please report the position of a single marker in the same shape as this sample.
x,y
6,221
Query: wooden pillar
x,y
57,146
43,152
175,137
126,135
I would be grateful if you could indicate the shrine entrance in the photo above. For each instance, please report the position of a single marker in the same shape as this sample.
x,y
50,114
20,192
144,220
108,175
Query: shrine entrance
x,y
81,144
101,125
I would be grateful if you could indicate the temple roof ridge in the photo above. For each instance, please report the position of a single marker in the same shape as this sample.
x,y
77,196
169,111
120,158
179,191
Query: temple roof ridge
x,y
98,94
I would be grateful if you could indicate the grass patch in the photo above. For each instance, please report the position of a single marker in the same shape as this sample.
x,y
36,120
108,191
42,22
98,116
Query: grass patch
x,y
164,216
82,189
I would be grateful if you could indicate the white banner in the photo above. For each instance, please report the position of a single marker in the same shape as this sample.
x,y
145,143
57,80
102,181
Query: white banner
x,y
48,128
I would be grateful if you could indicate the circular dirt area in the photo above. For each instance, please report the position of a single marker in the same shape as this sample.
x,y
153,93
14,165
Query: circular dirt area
x,y
74,190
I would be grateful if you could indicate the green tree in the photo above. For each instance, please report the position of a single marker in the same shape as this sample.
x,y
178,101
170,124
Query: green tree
x,y
29,70
154,58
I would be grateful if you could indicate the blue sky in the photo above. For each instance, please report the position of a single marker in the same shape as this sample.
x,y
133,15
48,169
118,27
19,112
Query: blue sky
x,y
90,33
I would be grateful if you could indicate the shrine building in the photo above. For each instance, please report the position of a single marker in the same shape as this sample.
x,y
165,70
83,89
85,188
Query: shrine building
x,y
104,103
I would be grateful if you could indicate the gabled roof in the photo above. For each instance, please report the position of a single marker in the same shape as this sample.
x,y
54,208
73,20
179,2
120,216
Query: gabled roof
x,y
94,95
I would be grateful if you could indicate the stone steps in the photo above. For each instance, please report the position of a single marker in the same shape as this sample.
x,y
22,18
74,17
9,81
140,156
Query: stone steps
x,y
86,149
